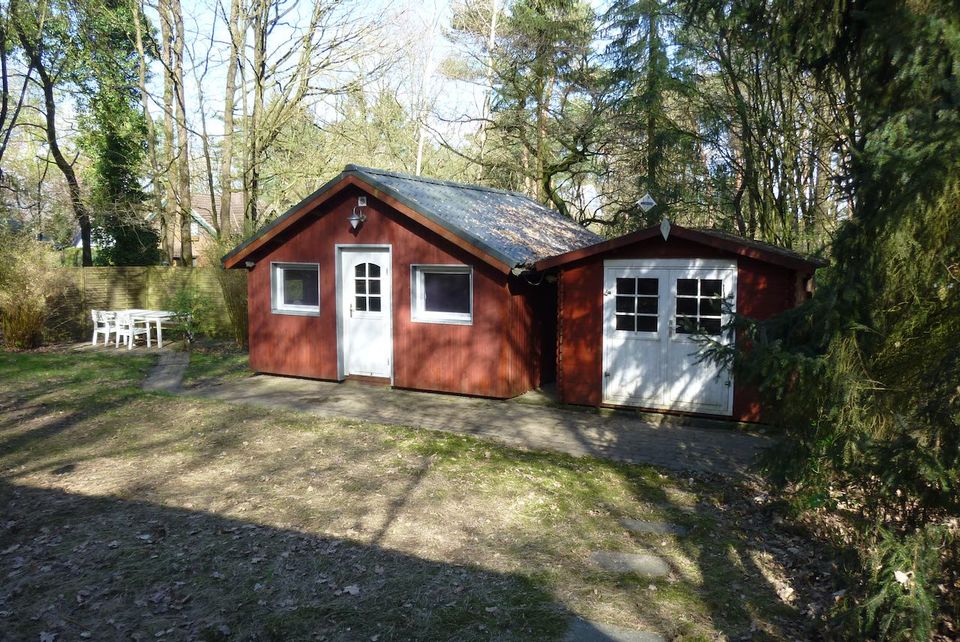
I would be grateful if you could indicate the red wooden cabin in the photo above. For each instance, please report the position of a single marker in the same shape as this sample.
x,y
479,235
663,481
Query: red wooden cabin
x,y
424,288
433,285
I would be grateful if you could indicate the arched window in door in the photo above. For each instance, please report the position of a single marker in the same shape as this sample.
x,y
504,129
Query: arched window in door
x,y
366,288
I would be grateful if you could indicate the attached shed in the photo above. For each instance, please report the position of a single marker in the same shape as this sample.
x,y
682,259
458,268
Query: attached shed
x,y
630,311
412,281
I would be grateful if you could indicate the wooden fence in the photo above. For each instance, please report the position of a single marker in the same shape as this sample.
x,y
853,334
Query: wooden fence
x,y
155,287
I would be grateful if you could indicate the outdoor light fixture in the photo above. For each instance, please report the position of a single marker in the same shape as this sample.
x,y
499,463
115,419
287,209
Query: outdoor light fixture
x,y
249,264
358,217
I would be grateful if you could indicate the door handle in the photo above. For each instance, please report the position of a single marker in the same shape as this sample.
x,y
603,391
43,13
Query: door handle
x,y
351,310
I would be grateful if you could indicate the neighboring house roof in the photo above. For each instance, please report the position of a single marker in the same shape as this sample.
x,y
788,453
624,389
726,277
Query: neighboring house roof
x,y
203,212
714,238
506,228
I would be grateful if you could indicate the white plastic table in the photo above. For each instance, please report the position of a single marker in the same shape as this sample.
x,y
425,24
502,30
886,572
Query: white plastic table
x,y
150,316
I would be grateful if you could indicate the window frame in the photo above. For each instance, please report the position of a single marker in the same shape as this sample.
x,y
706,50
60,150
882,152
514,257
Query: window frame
x,y
636,296
698,317
418,313
277,306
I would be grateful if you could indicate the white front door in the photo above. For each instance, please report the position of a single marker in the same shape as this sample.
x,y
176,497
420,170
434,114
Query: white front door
x,y
365,305
653,314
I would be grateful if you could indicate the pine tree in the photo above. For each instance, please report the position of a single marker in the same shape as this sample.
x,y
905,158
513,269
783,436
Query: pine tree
x,y
867,374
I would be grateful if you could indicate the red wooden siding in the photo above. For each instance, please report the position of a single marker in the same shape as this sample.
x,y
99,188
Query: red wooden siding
x,y
492,357
762,291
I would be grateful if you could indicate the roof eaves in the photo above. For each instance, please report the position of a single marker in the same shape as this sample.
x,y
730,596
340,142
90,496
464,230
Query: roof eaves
x,y
202,222
751,250
280,220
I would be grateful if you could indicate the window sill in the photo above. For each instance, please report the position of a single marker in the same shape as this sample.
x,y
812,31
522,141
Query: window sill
x,y
296,313
442,320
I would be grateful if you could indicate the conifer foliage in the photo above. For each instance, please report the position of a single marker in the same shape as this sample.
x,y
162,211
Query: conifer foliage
x,y
867,374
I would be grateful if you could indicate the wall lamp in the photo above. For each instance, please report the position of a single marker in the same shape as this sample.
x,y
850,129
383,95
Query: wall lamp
x,y
358,217
249,264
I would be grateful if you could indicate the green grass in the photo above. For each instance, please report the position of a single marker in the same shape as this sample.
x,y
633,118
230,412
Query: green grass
x,y
216,362
205,517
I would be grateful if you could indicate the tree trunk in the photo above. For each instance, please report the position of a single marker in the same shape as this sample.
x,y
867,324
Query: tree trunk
x,y
183,140
653,104
260,26
226,148
169,215
488,77
80,212
156,174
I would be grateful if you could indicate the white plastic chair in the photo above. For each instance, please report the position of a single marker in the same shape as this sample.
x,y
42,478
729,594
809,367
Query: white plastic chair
x,y
128,330
102,324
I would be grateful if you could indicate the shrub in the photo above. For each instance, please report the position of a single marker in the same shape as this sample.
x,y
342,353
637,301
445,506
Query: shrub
x,y
198,314
30,285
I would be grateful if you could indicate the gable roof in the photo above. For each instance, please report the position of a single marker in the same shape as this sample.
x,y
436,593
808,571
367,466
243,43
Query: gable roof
x,y
506,229
725,241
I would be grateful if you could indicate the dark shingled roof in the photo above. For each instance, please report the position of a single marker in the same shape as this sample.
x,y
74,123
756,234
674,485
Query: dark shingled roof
x,y
508,226
511,226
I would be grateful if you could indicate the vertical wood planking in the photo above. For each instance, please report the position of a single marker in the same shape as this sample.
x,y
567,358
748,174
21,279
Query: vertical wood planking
x,y
763,290
487,358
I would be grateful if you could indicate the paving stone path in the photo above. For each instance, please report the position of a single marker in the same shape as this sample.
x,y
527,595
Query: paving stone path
x,y
619,436
644,564
167,375
584,631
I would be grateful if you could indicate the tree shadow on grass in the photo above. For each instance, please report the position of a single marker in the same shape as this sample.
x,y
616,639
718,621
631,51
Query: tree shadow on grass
x,y
133,570
737,592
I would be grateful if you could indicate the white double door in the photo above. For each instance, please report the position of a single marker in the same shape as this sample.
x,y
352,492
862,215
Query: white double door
x,y
654,315
366,327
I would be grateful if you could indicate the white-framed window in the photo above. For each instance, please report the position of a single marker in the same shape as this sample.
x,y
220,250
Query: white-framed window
x,y
699,306
295,288
638,304
442,294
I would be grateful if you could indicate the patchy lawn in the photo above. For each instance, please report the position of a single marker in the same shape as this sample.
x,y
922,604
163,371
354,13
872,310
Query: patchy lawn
x,y
134,515
215,361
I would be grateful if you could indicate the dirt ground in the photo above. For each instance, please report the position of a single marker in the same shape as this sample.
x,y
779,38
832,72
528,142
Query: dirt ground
x,y
127,515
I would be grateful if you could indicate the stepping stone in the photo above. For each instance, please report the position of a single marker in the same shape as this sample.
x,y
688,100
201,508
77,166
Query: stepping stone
x,y
644,564
657,528
583,631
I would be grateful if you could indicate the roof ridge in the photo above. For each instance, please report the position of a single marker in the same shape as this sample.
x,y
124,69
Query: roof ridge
x,y
351,167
